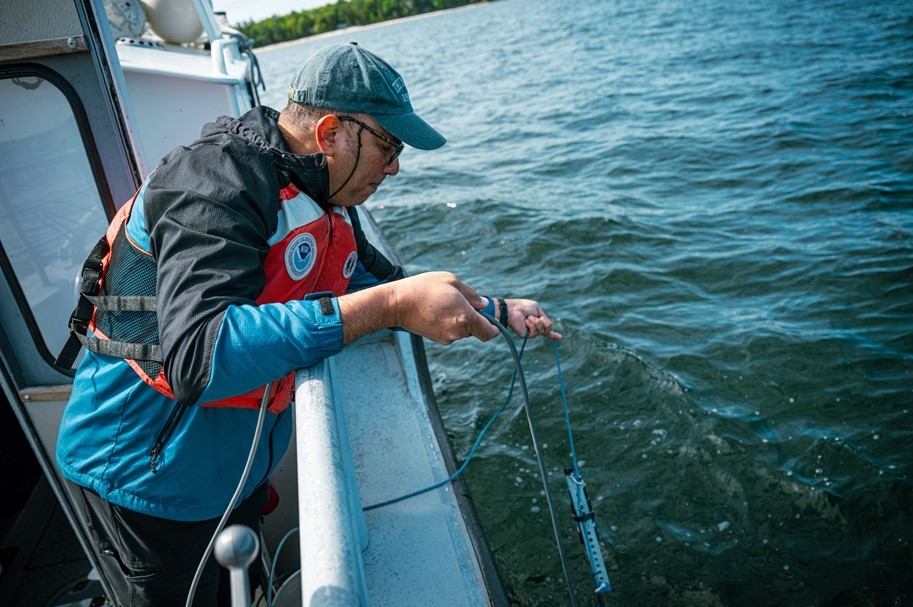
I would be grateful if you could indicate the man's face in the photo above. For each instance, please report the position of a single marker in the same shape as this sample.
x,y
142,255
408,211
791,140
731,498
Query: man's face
x,y
362,169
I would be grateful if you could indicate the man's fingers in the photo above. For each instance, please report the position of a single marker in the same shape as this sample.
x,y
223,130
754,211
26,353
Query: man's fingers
x,y
474,299
541,325
481,329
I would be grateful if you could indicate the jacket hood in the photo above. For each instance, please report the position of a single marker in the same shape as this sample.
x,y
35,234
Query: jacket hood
x,y
260,127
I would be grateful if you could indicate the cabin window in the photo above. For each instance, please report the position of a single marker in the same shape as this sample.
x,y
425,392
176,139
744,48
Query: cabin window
x,y
51,213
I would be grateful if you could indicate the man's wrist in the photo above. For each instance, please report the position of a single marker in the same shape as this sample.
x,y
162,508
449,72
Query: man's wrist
x,y
368,310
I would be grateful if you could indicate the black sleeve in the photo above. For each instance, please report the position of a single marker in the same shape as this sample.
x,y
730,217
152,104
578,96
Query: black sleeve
x,y
373,260
209,211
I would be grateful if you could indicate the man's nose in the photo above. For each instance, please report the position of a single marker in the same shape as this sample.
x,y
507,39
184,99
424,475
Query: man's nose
x,y
392,168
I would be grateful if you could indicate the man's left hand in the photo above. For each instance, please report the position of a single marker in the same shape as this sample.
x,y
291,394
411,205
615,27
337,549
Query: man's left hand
x,y
526,314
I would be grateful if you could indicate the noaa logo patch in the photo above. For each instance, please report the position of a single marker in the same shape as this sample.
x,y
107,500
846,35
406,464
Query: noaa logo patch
x,y
300,256
349,267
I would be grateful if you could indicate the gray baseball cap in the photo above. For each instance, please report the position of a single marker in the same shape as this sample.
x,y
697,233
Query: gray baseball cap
x,y
347,78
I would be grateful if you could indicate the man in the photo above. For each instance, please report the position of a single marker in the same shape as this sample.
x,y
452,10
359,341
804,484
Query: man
x,y
205,294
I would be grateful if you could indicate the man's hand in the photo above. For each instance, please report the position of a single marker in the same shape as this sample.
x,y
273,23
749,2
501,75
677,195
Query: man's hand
x,y
435,305
440,307
526,314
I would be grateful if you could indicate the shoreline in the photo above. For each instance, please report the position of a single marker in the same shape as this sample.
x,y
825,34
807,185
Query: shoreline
x,y
358,28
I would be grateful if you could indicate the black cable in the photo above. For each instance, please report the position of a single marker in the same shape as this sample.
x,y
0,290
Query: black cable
x,y
264,405
538,450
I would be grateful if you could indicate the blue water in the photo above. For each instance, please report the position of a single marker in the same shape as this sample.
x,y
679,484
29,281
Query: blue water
x,y
715,202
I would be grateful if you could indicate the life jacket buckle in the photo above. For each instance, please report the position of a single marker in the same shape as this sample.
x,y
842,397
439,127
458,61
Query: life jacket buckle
x,y
79,325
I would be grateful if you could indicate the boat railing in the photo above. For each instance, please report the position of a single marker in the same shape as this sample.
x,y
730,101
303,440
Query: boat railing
x,y
332,529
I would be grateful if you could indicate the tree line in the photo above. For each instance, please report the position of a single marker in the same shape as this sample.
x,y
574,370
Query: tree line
x,y
300,24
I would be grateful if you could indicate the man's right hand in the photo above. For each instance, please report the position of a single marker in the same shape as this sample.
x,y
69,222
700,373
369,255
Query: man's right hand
x,y
436,305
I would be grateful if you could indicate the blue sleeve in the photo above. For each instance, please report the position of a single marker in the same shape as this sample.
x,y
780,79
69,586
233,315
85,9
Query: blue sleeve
x,y
362,279
270,341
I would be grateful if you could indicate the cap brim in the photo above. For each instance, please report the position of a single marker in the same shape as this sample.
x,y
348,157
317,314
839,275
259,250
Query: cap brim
x,y
411,130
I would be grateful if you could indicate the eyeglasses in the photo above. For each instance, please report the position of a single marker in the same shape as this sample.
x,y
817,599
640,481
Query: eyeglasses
x,y
397,145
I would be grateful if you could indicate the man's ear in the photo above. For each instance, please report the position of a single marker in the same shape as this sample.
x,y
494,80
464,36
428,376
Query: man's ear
x,y
327,132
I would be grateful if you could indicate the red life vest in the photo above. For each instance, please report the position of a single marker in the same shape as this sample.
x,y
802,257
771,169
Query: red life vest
x,y
312,251
318,256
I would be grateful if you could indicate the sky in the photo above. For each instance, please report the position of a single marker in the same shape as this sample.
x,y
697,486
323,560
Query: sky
x,y
239,11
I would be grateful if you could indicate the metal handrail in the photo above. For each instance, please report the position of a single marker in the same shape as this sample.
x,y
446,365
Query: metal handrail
x,y
332,530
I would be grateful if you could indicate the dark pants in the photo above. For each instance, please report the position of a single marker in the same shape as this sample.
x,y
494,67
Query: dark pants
x,y
150,561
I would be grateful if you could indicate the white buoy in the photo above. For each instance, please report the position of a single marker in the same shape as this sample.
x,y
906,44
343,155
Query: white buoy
x,y
174,21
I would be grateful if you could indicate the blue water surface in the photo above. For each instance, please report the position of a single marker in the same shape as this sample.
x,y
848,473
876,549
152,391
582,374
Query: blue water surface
x,y
714,200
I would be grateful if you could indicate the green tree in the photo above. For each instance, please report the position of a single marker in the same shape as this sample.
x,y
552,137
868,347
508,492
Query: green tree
x,y
300,24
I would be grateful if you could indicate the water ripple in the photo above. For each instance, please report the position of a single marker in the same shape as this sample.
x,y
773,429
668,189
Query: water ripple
x,y
714,201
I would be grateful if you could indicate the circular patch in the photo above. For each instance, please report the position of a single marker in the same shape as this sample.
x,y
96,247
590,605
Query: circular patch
x,y
300,256
349,267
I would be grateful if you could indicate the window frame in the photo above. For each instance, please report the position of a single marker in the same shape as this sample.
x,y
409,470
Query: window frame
x,y
101,184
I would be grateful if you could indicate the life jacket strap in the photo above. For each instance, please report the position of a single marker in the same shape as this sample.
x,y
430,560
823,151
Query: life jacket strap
x,y
89,301
82,313
121,349
123,303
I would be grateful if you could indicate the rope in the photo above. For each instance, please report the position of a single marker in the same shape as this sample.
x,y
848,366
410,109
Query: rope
x,y
567,413
580,503
272,570
543,473
518,373
472,451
